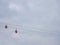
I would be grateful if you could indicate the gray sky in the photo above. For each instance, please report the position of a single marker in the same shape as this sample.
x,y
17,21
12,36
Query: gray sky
x,y
38,22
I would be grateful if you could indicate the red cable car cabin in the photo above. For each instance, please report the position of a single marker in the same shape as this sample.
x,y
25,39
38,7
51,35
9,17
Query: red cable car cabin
x,y
16,31
6,26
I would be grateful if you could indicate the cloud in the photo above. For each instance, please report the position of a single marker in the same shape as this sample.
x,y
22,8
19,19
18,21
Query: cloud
x,y
39,26
14,7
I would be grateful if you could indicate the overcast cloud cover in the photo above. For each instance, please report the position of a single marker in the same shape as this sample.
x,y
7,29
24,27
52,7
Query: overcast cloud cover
x,y
39,22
